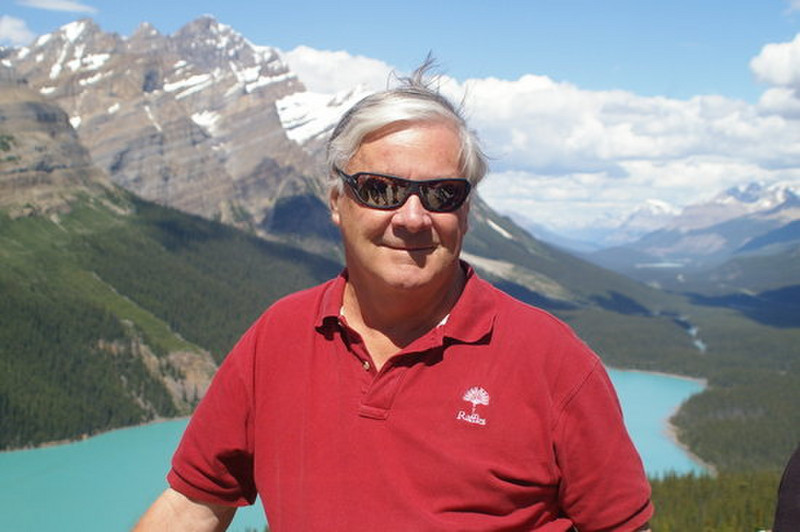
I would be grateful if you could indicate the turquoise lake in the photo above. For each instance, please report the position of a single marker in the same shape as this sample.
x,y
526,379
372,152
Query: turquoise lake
x,y
104,483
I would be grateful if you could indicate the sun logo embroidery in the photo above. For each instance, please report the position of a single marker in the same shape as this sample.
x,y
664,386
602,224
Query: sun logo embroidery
x,y
477,396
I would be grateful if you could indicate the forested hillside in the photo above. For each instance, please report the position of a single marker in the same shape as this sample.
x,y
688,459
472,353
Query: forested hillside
x,y
104,310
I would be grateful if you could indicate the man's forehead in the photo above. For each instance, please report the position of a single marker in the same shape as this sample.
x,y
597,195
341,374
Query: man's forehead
x,y
402,126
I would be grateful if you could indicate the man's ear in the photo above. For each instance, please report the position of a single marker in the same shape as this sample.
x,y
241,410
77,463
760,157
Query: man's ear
x,y
333,202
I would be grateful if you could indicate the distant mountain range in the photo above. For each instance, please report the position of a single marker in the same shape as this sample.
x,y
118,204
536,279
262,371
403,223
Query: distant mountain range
x,y
157,192
693,249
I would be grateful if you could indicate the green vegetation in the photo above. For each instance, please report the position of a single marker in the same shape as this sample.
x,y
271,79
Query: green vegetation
x,y
57,380
6,141
6,144
83,294
731,502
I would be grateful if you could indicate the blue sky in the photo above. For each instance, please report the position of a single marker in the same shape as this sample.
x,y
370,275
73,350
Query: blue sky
x,y
677,48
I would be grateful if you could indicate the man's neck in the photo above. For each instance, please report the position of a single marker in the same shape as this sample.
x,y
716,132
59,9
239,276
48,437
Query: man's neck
x,y
389,319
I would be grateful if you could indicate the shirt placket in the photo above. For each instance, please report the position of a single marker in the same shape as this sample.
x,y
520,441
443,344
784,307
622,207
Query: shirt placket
x,y
380,388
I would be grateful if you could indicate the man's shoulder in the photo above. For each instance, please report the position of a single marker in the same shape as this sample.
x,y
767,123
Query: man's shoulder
x,y
310,303
536,328
517,310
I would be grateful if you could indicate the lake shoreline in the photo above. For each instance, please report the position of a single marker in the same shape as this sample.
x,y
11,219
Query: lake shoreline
x,y
84,437
671,431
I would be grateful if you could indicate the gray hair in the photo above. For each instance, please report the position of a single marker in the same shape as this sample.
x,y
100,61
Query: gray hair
x,y
414,100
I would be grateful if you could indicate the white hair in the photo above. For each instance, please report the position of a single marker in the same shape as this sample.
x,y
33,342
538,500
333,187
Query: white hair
x,y
413,101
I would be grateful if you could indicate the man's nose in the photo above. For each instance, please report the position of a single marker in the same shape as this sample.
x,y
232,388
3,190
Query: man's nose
x,y
412,216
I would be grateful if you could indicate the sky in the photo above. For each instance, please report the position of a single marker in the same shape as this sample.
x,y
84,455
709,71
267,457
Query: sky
x,y
587,109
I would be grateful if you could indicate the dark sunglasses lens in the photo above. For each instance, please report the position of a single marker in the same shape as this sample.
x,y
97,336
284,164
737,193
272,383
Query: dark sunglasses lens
x,y
381,192
388,192
445,195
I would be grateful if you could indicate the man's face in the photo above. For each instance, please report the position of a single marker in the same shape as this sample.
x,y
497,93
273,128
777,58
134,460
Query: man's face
x,y
408,247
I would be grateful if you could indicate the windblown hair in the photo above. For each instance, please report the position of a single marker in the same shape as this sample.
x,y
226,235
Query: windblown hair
x,y
414,100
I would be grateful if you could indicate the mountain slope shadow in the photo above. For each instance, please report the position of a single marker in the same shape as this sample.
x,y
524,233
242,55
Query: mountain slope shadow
x,y
777,308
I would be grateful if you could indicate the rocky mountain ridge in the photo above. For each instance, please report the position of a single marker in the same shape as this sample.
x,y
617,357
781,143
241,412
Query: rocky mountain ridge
x,y
186,120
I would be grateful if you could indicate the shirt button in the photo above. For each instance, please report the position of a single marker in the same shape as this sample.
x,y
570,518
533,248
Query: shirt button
x,y
366,365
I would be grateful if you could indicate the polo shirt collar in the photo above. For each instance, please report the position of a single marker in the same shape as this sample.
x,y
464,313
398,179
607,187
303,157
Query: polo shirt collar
x,y
470,321
472,317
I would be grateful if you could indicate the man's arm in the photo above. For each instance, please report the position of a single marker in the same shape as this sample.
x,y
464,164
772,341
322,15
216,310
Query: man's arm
x,y
174,512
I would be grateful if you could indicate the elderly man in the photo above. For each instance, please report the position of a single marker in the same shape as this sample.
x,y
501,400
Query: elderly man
x,y
407,394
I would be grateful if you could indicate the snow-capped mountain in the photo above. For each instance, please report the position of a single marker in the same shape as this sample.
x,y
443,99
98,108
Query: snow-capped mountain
x,y
650,216
743,200
188,120
752,218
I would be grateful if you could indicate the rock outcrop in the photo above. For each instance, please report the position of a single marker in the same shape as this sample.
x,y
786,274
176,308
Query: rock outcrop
x,y
43,165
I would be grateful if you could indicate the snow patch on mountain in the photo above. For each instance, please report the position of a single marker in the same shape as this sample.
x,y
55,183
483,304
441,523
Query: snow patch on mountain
x,y
187,86
741,200
73,30
505,234
307,115
207,120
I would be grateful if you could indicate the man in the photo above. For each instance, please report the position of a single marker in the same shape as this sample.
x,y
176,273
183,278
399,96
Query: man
x,y
407,394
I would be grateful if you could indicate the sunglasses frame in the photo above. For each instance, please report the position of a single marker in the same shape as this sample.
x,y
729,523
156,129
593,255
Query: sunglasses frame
x,y
411,185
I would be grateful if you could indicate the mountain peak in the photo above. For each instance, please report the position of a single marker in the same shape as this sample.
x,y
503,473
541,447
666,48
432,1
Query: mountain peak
x,y
209,28
757,195
211,45
73,33
145,30
747,193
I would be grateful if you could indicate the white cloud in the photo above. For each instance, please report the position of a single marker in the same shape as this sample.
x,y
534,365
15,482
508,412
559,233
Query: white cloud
x,y
779,64
14,31
332,72
781,101
794,5
58,5
570,158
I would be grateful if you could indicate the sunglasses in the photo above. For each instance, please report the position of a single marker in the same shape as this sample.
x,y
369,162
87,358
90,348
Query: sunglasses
x,y
386,192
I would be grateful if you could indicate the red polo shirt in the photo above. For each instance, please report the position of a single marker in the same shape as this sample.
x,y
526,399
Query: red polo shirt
x,y
498,419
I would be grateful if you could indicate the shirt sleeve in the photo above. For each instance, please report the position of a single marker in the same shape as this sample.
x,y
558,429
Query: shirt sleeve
x,y
604,486
214,461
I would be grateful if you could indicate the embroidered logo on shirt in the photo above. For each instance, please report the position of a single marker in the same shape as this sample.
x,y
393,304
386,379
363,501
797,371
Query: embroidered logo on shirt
x,y
477,396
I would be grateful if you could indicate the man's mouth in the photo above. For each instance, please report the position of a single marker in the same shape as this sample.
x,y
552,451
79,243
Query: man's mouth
x,y
412,248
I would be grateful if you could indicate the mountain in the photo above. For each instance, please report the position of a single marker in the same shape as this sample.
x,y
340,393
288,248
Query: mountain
x,y
187,120
218,136
739,223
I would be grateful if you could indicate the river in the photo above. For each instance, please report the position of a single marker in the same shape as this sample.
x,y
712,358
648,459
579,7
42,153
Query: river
x,y
104,483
